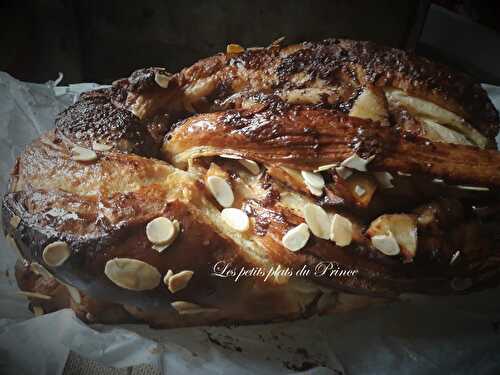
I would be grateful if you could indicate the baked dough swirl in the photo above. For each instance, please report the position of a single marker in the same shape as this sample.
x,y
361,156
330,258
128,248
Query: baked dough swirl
x,y
337,155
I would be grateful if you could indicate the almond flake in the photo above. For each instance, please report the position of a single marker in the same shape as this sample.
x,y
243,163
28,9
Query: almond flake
x,y
325,167
221,190
386,244
160,231
296,238
343,172
341,230
132,274
83,154
96,146
230,156
403,227
236,219
160,248
359,190
314,191
251,165
313,179
317,220
384,179
56,253
167,276
356,162
179,281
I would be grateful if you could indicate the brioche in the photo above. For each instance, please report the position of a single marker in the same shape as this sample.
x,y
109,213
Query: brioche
x,y
198,197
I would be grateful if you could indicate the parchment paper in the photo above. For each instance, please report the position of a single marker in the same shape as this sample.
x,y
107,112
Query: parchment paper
x,y
423,335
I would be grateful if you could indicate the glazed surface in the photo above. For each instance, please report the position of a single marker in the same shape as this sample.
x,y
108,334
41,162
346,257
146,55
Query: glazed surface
x,y
291,110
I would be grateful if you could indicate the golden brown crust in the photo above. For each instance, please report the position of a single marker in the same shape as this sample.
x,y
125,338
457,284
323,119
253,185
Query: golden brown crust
x,y
283,119
305,138
337,69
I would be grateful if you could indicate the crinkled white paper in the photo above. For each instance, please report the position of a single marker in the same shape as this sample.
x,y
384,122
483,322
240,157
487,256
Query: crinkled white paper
x,y
431,335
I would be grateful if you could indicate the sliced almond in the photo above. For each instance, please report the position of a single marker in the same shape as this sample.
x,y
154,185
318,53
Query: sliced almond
x,y
230,156
234,48
341,230
343,172
40,270
314,191
167,276
359,190
221,190
236,219
96,146
370,105
162,247
386,244
83,154
186,308
296,238
34,295
356,162
317,220
14,221
160,231
38,310
163,79
179,281
362,187
315,180
325,167
251,165
132,274
56,253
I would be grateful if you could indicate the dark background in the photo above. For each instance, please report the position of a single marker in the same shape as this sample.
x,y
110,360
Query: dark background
x,y
99,41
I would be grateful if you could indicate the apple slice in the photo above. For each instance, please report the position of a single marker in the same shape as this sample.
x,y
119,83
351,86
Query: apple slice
x,y
370,104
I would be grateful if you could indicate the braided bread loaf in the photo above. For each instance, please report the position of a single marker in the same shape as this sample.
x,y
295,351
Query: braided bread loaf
x,y
261,184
